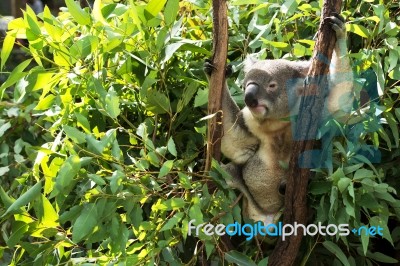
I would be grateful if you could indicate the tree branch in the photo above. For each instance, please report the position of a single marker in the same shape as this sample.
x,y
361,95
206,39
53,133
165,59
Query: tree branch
x,y
312,102
217,81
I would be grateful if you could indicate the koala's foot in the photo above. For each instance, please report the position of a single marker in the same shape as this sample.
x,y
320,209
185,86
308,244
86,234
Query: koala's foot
x,y
256,214
209,68
338,25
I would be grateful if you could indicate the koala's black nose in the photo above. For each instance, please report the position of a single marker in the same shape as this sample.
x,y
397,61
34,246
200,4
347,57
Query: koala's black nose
x,y
250,95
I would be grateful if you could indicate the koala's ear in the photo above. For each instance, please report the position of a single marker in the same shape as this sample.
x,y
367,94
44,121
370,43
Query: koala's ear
x,y
248,63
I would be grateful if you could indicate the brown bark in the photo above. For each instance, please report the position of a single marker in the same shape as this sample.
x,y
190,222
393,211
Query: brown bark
x,y
16,7
217,80
285,252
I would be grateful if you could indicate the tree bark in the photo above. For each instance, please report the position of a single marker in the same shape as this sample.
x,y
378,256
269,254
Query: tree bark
x,y
312,102
16,6
217,80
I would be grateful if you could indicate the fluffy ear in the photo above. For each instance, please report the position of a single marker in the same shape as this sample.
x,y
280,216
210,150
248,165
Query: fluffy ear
x,y
248,63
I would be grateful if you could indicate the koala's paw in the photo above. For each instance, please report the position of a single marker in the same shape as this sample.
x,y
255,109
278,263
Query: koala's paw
x,y
209,68
338,25
235,172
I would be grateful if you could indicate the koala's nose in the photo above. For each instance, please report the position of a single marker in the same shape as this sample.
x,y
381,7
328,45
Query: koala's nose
x,y
250,95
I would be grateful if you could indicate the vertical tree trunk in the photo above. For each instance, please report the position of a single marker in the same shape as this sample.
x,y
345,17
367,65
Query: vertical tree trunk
x,y
286,251
16,6
217,81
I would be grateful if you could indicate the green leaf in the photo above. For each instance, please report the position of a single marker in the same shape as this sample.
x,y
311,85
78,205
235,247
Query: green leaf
x,y
201,98
85,223
94,145
358,29
196,214
48,216
97,179
289,6
364,242
77,12
158,102
350,169
263,262
171,147
210,247
343,183
84,46
33,24
7,200
166,168
392,29
112,104
363,173
24,199
173,221
155,6
184,180
45,103
238,258
393,126
67,172
40,79
319,187
379,221
83,122
377,256
337,175
279,45
332,247
16,75
171,10
8,45
74,134
175,203
116,181
3,129
19,229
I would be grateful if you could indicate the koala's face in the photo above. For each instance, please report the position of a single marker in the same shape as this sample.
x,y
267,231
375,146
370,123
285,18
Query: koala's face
x,y
270,90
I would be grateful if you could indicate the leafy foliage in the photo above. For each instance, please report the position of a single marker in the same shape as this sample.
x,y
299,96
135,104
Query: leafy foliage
x,y
102,145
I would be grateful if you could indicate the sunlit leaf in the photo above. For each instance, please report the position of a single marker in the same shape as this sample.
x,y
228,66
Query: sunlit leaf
x,y
8,44
165,168
77,12
155,6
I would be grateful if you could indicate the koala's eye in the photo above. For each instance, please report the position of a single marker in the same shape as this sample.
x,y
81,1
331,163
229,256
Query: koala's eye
x,y
272,85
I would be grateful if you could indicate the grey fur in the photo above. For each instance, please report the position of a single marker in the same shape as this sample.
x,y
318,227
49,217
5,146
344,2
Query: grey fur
x,y
258,138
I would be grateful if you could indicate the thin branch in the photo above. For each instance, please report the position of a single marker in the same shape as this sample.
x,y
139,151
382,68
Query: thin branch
x,y
285,252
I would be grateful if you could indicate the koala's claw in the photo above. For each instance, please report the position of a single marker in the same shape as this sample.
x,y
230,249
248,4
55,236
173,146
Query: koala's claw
x,y
228,70
338,24
337,15
209,68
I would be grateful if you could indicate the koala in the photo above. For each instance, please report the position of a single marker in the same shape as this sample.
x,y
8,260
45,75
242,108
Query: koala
x,y
258,139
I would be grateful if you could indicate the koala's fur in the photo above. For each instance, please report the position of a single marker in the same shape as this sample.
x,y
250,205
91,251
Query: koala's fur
x,y
258,138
